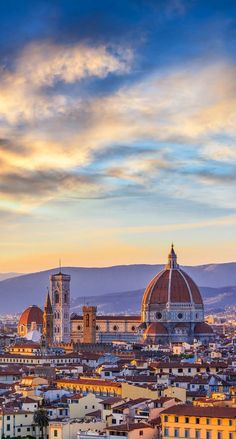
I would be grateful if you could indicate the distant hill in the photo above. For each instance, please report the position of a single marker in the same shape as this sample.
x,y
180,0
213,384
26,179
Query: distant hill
x,y
4,276
129,302
18,292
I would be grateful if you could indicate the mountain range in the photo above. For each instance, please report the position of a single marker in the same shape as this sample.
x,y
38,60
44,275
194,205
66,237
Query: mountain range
x,y
117,288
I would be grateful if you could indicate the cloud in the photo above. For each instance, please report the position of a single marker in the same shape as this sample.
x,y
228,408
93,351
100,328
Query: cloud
x,y
45,64
29,188
172,118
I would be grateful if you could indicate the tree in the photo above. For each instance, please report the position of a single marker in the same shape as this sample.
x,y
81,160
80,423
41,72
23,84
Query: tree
x,y
41,419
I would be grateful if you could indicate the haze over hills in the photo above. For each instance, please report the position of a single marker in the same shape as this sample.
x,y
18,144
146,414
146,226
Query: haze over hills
x,y
4,276
17,293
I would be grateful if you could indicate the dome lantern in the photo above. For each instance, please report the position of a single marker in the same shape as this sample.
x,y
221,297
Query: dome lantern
x,y
172,259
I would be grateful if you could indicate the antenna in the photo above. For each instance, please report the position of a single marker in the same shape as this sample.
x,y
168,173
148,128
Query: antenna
x,y
60,265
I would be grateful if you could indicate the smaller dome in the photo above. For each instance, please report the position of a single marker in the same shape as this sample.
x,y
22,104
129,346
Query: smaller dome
x,y
155,328
30,315
203,328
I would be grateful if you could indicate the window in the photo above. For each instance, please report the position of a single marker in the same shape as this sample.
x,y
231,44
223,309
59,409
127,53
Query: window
x,y
28,428
197,434
208,421
218,421
141,433
186,420
8,427
166,431
230,422
8,417
166,418
219,435
87,321
230,435
18,430
113,421
186,433
176,432
197,421
176,419
208,435
55,433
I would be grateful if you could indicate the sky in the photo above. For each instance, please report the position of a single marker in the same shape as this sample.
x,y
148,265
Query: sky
x,y
117,132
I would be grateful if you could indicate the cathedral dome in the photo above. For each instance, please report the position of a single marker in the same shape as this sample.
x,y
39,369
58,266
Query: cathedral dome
x,y
172,285
31,314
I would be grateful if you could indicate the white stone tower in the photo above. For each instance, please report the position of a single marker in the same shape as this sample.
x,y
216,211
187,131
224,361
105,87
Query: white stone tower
x,y
60,300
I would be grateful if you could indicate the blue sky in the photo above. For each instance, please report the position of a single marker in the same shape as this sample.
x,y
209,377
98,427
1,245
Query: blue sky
x,y
117,132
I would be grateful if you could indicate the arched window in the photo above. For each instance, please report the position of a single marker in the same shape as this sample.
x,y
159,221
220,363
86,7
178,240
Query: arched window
x,y
56,297
87,321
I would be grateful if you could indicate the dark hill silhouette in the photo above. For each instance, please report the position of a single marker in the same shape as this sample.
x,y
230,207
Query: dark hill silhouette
x,y
19,292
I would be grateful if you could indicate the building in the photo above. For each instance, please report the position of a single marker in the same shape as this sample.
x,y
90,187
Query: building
x,y
187,421
172,311
172,307
54,322
31,317
60,300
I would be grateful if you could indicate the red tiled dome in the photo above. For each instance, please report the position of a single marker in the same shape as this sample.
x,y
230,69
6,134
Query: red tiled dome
x,y
155,328
203,328
31,314
172,285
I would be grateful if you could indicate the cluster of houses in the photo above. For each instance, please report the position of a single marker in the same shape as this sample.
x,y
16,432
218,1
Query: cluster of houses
x,y
102,392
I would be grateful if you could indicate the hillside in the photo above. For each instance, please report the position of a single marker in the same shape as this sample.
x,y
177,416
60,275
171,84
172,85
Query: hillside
x,y
130,301
18,292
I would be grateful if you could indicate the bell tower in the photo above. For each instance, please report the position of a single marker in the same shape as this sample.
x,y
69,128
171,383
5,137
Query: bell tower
x,y
60,299
89,324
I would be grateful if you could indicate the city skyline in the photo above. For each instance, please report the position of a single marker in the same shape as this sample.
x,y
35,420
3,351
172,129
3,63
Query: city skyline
x,y
117,132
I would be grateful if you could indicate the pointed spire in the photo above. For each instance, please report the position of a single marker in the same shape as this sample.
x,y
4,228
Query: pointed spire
x,y
172,259
48,305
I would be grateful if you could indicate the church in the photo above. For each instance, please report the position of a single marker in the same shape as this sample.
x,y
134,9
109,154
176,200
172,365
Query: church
x,y
172,310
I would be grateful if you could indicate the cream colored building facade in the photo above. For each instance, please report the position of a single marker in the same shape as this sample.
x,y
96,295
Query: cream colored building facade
x,y
18,423
108,328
